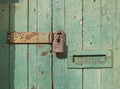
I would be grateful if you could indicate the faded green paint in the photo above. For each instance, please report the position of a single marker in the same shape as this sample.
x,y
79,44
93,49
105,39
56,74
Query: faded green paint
x,y
90,59
73,29
4,47
107,41
90,25
58,64
18,53
43,63
32,58
92,40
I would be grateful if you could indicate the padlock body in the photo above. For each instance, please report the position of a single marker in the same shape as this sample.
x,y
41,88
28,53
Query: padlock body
x,y
59,42
58,47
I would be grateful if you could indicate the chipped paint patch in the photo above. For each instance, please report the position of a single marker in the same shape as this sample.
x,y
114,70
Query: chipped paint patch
x,y
41,45
44,53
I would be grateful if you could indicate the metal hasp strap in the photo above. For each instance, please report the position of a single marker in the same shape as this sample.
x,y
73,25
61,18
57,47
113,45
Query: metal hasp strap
x,y
30,37
57,39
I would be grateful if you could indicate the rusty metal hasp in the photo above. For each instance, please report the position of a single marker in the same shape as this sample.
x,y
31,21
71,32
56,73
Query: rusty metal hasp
x,y
30,37
57,39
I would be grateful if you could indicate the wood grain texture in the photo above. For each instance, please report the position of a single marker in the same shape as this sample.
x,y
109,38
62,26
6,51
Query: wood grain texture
x,y
4,47
73,30
90,25
58,64
43,63
107,41
18,53
32,48
116,60
92,40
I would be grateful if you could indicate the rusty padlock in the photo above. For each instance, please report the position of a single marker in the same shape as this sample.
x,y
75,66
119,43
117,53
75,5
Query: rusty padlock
x,y
59,42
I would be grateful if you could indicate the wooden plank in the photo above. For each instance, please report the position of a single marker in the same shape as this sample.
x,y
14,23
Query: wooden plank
x,y
30,37
4,47
18,53
32,48
58,64
43,63
73,30
116,60
107,41
91,40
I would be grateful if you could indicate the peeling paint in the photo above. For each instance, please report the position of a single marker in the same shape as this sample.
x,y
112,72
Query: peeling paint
x,y
29,36
44,53
41,45
58,9
33,87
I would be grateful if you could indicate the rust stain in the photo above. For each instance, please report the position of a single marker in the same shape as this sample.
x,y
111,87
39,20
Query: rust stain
x,y
34,9
74,17
42,72
50,37
33,87
3,10
41,45
79,63
29,36
58,9
44,53
28,55
2,45
52,85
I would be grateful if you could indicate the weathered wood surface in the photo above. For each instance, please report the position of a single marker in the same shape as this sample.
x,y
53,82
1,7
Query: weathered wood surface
x,y
4,47
43,63
90,25
32,48
91,40
18,53
73,29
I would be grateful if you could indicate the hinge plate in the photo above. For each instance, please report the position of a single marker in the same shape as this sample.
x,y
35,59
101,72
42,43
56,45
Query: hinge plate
x,y
30,37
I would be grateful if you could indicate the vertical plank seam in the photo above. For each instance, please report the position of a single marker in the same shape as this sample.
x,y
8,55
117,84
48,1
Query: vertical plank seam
x,y
51,58
9,50
51,15
65,69
65,47
82,41
82,78
36,45
82,24
101,31
112,28
111,1
28,45
101,41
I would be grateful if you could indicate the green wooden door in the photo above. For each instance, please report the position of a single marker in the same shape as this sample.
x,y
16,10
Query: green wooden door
x,y
92,34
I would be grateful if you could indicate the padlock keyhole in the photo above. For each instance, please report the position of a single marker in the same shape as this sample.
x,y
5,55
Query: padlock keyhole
x,y
59,33
59,36
58,40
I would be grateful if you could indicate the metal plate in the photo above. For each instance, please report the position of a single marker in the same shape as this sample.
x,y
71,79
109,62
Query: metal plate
x,y
89,59
30,37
